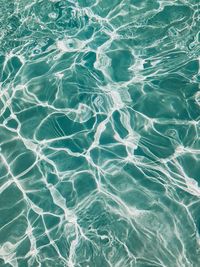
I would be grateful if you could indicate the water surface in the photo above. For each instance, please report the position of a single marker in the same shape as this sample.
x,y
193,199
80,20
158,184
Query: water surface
x,y
99,133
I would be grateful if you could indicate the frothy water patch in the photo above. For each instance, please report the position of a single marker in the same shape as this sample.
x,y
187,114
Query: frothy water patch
x,y
70,45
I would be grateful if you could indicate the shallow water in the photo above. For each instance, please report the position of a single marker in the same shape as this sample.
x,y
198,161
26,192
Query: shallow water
x,y
99,133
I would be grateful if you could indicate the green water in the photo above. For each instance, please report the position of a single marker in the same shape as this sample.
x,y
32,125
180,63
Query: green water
x,y
99,133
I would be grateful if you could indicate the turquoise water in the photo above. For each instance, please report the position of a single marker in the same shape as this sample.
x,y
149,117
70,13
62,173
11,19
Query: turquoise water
x,y
99,133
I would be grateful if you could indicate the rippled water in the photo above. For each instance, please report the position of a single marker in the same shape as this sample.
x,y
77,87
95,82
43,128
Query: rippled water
x,y
99,133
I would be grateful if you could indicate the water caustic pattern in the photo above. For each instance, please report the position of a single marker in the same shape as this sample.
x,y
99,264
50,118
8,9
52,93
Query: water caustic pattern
x,y
99,133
